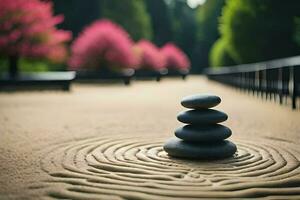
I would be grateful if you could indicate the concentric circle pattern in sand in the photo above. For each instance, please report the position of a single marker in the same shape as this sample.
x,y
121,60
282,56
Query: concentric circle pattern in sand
x,y
134,168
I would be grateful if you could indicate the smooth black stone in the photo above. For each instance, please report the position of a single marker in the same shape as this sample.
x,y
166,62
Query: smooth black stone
x,y
204,116
178,148
199,101
204,133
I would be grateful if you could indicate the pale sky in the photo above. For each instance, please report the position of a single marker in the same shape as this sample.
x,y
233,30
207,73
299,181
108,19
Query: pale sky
x,y
195,3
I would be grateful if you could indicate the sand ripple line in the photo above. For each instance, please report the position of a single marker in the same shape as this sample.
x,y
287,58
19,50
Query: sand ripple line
x,y
135,168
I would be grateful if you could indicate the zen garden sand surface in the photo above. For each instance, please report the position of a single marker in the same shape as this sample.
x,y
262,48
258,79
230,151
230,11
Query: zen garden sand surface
x,y
106,142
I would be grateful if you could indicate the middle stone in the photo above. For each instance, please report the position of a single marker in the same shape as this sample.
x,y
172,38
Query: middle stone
x,y
204,133
202,116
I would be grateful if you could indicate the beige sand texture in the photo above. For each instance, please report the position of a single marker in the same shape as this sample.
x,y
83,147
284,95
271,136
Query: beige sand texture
x,y
105,142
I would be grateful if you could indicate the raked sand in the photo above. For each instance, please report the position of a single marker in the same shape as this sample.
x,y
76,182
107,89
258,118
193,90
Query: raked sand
x,y
105,142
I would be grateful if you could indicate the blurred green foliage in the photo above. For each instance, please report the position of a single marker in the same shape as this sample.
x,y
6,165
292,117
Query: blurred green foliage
x,y
217,33
148,15
77,13
131,14
31,65
297,31
184,28
161,21
207,18
157,20
258,30
219,55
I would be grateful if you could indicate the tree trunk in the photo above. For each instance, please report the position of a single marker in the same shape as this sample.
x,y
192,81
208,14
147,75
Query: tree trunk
x,y
13,66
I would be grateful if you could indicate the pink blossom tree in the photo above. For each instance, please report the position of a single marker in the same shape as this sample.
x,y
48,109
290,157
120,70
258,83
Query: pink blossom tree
x,y
27,29
102,45
150,56
175,57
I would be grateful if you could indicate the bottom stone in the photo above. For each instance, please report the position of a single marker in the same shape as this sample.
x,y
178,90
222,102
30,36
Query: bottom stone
x,y
179,148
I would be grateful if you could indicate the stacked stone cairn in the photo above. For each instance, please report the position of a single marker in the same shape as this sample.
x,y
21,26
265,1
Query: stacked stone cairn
x,y
202,137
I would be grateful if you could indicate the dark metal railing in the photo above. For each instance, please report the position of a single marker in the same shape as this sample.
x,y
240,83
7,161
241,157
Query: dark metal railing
x,y
278,79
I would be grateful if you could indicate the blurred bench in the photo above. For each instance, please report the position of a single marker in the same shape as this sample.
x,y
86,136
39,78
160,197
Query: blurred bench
x,y
105,75
151,74
39,81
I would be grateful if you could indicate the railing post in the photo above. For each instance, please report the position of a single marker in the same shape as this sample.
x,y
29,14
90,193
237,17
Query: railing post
x,y
280,84
244,81
253,82
267,84
248,80
257,81
292,88
264,83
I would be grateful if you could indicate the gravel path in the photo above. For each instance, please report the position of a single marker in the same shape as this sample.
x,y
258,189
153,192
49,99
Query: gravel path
x,y
49,139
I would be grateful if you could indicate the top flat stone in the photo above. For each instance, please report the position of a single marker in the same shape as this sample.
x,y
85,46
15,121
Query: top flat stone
x,y
200,101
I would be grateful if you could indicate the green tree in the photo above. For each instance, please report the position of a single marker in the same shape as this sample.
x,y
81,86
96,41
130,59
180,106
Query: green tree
x,y
130,14
297,31
184,28
219,55
77,13
207,18
258,30
161,21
